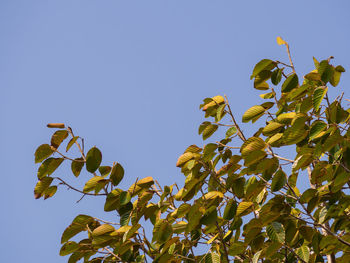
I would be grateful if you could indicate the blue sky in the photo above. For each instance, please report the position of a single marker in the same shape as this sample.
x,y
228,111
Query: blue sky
x,y
128,76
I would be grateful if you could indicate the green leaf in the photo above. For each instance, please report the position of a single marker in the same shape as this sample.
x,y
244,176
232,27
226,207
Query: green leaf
x,y
185,158
211,102
260,80
276,76
92,183
209,131
269,95
68,248
182,210
254,157
231,131
58,137
303,161
313,75
117,174
308,195
325,70
212,257
278,181
275,140
102,230
251,145
93,159
265,64
71,142
244,208
77,165
332,141
290,83
124,198
220,113
286,118
236,248
276,232
316,128
336,75
193,149
42,152
49,192
131,232
104,170
49,166
162,231
272,128
41,186
112,200
293,135
318,96
238,187
78,225
179,227
253,113
303,252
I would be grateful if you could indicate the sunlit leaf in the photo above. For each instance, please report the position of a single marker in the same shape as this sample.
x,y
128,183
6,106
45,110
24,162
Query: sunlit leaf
x,y
253,113
209,131
244,208
212,257
231,131
117,174
41,186
276,232
325,70
303,252
185,158
42,152
272,128
251,145
79,224
49,192
68,248
71,142
58,137
77,165
265,64
318,96
92,183
316,128
290,83
215,101
49,166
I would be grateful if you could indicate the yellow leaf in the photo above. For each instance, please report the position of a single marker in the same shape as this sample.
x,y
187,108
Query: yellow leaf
x,y
280,41
212,239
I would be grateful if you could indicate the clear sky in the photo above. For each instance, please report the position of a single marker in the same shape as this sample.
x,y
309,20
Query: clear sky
x,y
128,76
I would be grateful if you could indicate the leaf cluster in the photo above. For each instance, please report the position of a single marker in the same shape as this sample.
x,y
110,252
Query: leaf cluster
x,y
240,201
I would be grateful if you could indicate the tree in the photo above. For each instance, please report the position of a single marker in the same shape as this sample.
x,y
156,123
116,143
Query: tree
x,y
240,201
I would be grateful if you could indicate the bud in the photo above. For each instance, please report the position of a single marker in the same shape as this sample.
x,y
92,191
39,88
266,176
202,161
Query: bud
x,y
55,125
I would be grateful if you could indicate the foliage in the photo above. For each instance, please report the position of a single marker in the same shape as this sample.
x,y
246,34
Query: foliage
x,y
240,201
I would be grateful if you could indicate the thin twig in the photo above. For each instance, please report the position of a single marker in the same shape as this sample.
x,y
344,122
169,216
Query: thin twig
x,y
290,57
106,222
73,188
240,133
